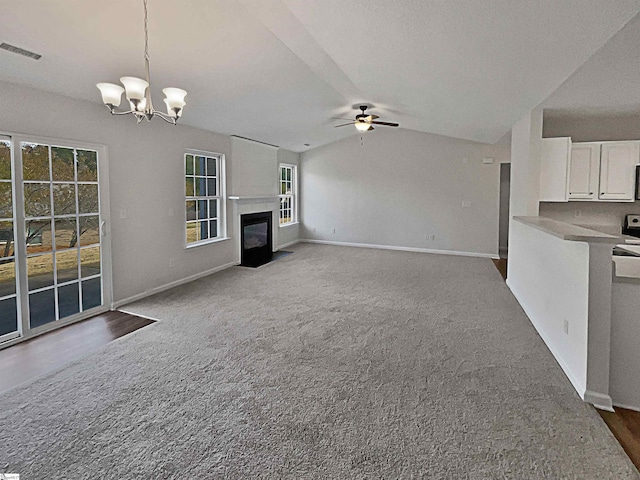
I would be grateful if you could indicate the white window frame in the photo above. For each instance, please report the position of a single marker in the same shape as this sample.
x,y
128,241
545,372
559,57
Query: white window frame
x,y
293,196
221,214
24,329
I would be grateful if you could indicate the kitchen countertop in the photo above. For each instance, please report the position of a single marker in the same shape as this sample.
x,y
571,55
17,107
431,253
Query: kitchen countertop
x,y
568,231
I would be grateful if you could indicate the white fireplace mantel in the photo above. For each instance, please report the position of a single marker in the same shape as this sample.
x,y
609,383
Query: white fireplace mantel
x,y
253,204
250,199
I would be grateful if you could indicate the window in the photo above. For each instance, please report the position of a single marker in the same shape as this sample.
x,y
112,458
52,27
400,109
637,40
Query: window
x,y
204,196
288,187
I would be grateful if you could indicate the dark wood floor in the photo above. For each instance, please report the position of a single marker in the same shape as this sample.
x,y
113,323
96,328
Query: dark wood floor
x,y
623,423
625,426
28,360
501,265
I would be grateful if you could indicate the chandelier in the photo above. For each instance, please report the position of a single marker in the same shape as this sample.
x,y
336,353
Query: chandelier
x,y
139,94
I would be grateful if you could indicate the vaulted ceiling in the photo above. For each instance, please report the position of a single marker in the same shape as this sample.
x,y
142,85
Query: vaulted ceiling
x,y
278,70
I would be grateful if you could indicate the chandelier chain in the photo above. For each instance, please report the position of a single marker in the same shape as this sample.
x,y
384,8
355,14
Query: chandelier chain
x,y
146,32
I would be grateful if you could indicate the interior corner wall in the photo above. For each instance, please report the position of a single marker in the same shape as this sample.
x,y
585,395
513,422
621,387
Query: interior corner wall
x,y
526,138
291,233
395,187
146,180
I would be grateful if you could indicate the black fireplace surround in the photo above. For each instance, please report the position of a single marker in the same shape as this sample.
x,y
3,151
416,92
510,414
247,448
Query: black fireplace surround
x,y
255,239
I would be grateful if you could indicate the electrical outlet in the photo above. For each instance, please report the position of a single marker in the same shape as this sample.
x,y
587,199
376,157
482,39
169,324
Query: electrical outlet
x,y
566,326
333,230
578,213
123,213
487,160
314,229
172,262
431,237
466,204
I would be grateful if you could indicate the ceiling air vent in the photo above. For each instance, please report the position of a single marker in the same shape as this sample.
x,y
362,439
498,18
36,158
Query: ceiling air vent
x,y
19,51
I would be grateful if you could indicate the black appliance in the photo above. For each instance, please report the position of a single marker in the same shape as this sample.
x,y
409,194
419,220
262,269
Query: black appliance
x,y
631,225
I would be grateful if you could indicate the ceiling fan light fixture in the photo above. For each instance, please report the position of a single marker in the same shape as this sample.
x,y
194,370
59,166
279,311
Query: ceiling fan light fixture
x,y
362,126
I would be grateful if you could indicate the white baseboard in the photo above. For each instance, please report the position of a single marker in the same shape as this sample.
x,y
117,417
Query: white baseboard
x,y
167,286
577,384
402,249
627,406
280,247
599,400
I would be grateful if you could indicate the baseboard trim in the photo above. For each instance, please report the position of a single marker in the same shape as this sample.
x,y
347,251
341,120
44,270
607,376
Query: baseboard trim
x,y
402,249
628,407
280,247
599,400
577,385
167,286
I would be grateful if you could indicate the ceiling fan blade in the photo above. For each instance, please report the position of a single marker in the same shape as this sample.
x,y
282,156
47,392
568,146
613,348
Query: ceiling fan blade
x,y
344,124
371,117
341,118
386,124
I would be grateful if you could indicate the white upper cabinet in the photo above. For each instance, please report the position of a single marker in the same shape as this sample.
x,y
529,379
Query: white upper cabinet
x,y
617,170
584,170
554,169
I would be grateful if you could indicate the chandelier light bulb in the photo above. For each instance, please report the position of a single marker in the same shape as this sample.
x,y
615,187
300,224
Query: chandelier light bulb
x,y
134,87
172,105
111,93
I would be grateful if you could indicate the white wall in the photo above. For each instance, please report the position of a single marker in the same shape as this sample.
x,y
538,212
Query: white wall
x,y
589,213
146,177
625,354
593,128
551,282
395,187
289,233
256,168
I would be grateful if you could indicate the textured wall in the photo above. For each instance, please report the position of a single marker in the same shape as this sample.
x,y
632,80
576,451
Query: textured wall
x,y
395,187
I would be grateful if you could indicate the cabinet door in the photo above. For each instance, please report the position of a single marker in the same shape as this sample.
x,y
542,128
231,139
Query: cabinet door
x,y
554,169
617,170
583,171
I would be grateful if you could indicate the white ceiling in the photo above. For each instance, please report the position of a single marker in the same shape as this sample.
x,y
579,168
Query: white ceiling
x,y
608,84
278,70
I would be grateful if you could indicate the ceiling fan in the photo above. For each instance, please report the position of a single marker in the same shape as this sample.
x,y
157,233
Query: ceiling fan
x,y
364,122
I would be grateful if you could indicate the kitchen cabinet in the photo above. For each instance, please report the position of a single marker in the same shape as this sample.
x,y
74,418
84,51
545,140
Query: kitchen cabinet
x,y
554,169
588,171
584,171
617,170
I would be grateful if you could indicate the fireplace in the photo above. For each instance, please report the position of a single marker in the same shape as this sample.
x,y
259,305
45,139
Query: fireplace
x,y
255,239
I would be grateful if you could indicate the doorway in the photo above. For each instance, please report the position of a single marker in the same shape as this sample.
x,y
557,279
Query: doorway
x,y
503,220
54,258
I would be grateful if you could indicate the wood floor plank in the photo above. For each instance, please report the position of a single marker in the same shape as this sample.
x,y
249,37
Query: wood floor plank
x,y
625,426
28,360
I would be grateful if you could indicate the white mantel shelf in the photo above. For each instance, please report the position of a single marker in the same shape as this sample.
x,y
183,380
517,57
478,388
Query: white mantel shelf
x,y
266,198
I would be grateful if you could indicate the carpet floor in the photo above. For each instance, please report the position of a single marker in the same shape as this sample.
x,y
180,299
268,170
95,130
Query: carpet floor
x,y
330,363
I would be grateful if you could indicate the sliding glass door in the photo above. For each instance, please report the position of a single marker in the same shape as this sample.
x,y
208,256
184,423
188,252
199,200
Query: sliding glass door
x,y
9,325
57,227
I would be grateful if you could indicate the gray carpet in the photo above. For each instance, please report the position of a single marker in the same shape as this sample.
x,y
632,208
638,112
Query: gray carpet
x,y
330,363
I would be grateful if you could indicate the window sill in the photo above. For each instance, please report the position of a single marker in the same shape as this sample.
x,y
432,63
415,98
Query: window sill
x,y
291,224
206,242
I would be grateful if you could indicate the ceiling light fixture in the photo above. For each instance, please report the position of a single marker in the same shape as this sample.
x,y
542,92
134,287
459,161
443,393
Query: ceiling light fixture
x,y
138,92
363,126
